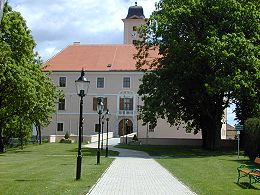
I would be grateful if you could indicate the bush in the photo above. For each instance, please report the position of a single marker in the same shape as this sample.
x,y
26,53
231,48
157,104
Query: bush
x,y
68,141
135,139
67,136
252,138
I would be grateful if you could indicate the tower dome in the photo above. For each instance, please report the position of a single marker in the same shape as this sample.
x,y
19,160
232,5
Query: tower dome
x,y
135,12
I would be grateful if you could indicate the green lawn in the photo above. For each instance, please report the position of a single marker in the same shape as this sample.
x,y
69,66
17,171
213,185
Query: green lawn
x,y
203,171
49,169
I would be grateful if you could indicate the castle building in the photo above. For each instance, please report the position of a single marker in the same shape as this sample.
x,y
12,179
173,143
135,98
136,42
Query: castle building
x,y
111,70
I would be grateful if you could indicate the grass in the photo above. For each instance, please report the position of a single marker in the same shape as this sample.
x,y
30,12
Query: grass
x,y
203,171
49,169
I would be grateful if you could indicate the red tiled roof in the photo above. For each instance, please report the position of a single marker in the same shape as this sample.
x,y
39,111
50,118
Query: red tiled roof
x,y
93,58
230,127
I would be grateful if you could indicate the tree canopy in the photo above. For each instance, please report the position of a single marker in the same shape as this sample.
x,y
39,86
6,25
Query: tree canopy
x,y
208,58
27,94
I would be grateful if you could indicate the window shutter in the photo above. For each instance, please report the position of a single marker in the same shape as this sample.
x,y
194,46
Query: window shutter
x,y
94,103
131,103
105,104
121,106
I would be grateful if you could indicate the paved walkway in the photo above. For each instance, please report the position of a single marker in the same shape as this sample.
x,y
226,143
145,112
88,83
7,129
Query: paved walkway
x,y
134,173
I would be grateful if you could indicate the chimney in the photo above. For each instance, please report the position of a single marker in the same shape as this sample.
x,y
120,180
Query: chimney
x,y
76,43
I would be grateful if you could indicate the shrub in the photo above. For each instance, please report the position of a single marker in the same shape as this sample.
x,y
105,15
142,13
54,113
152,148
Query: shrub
x,y
252,138
67,136
135,139
68,141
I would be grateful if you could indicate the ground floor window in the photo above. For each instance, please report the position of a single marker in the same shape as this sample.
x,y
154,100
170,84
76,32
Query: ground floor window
x,y
60,127
97,127
151,128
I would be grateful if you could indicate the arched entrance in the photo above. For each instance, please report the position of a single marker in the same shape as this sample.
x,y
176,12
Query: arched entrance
x,y
125,127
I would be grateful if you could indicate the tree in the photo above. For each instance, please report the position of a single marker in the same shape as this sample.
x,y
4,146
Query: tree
x,y
27,95
208,53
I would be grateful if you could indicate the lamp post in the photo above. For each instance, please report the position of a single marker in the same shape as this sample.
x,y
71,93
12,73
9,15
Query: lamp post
x,y
107,119
102,131
82,85
126,123
100,108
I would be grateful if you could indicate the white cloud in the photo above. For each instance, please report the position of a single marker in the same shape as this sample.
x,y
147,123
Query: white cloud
x,y
56,24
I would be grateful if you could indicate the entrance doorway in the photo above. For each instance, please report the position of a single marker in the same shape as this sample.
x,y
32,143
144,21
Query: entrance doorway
x,y
125,127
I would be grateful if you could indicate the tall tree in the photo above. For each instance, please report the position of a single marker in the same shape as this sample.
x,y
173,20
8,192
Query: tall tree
x,y
208,53
26,93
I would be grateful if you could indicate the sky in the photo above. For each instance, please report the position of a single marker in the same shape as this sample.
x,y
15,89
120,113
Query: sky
x,y
55,24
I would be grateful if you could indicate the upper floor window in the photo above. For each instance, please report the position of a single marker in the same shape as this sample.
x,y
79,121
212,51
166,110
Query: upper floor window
x,y
95,103
100,82
126,104
62,82
60,127
61,105
126,82
151,128
134,28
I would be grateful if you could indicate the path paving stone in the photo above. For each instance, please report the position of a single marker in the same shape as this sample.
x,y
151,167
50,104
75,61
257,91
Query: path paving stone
x,y
133,173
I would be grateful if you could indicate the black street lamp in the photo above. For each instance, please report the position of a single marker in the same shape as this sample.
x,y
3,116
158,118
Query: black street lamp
x,y
107,119
126,123
100,108
102,131
82,85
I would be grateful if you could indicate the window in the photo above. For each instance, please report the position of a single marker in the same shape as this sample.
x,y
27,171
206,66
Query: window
x,y
62,82
95,103
126,82
134,42
126,104
151,128
97,127
134,28
60,127
100,82
61,104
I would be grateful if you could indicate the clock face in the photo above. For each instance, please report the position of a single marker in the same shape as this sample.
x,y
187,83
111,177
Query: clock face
x,y
133,34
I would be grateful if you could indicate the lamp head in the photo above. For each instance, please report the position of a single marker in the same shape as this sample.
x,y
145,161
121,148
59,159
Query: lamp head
x,y
82,84
100,105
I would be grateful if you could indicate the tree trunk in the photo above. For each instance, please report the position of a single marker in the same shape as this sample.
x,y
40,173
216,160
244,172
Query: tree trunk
x,y
21,140
40,134
211,131
2,146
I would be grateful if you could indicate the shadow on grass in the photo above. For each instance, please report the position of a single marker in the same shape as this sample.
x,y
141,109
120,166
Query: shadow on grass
x,y
160,151
67,164
26,180
246,185
21,151
93,152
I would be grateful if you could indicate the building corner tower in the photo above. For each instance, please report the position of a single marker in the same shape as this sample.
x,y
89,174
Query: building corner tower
x,y
135,18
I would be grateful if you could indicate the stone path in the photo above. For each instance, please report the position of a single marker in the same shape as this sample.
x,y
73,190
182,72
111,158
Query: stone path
x,y
133,173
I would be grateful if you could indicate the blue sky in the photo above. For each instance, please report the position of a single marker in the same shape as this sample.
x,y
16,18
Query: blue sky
x,y
56,24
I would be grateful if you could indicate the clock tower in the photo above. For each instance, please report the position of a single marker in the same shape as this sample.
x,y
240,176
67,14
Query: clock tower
x,y
135,18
